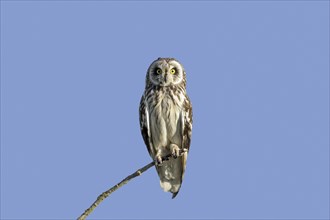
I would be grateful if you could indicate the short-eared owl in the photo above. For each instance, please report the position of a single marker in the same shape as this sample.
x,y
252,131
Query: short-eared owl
x,y
166,120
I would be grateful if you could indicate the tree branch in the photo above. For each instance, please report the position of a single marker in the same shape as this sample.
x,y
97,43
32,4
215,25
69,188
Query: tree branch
x,y
105,194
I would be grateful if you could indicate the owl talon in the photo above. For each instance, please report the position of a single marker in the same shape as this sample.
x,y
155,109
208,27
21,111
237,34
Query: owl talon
x,y
158,160
175,150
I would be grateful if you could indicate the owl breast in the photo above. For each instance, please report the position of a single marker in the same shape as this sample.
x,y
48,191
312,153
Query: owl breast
x,y
166,120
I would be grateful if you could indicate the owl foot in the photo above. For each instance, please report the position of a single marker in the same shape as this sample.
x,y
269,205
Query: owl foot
x,y
158,160
175,150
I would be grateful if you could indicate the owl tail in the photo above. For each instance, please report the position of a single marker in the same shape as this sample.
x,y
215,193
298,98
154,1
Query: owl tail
x,y
171,174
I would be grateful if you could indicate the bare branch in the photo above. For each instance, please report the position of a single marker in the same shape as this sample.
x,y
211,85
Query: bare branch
x,y
105,194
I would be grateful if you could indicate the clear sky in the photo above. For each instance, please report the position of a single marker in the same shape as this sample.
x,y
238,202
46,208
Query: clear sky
x,y
72,74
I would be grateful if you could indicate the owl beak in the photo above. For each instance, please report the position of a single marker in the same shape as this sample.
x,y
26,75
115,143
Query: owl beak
x,y
164,81
165,78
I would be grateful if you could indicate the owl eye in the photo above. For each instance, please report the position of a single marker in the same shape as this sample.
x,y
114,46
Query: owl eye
x,y
158,71
173,71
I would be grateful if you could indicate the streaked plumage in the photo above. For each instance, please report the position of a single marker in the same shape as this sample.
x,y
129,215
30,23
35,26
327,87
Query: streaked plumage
x,y
166,120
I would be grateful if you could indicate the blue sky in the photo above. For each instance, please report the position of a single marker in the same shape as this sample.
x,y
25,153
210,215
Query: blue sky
x,y
72,74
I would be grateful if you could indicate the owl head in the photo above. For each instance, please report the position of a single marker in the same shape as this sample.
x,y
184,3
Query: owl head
x,y
165,72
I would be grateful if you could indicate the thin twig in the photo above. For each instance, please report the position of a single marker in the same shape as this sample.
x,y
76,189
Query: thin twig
x,y
105,194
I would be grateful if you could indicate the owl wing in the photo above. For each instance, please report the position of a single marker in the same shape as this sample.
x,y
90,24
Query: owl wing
x,y
187,121
145,125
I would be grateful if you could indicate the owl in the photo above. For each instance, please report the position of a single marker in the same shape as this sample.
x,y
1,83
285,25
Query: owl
x,y
166,121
